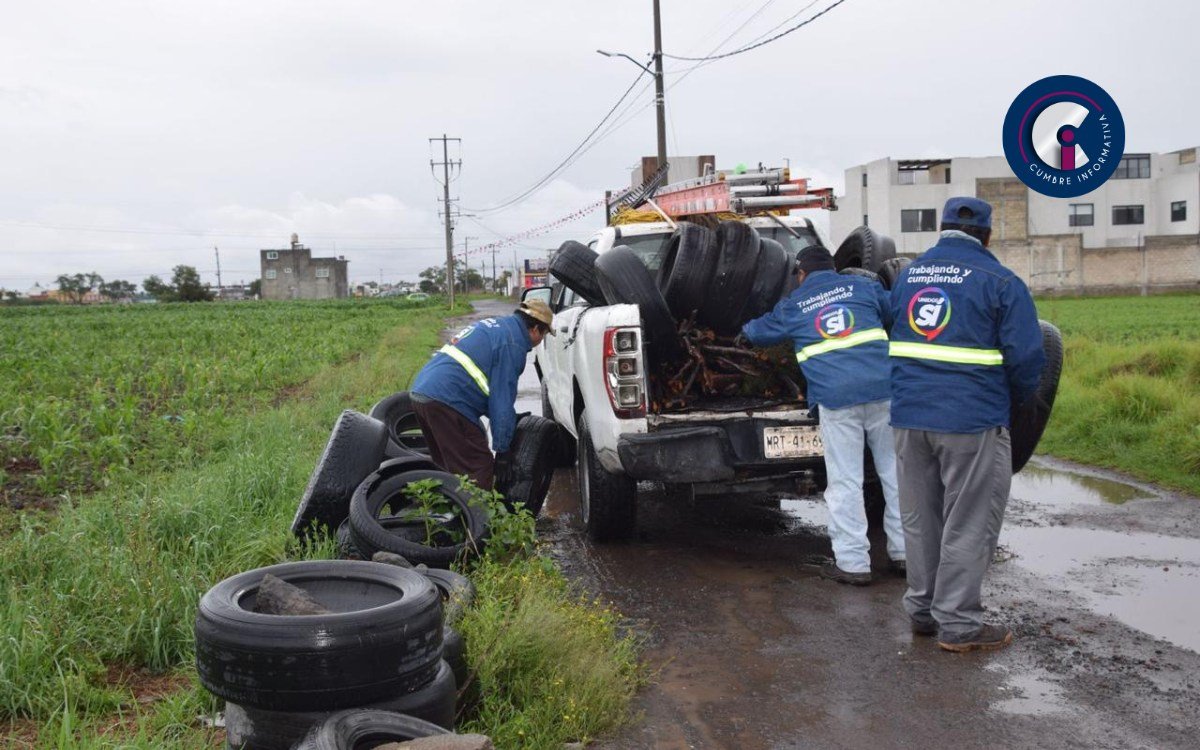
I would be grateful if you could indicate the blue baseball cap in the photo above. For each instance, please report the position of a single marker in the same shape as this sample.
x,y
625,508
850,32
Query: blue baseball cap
x,y
969,211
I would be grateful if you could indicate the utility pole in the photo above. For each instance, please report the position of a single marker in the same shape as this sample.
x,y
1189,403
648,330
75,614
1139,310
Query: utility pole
x,y
218,254
660,100
493,267
445,164
466,265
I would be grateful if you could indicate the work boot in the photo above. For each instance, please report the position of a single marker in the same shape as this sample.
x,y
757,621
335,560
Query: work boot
x,y
898,568
987,638
832,572
924,627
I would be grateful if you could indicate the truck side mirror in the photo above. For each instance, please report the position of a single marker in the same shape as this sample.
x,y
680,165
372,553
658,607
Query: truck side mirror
x,y
536,292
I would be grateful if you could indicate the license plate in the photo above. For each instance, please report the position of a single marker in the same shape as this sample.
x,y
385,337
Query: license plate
x,y
792,442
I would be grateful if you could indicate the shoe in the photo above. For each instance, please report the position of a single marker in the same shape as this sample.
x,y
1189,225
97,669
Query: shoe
x,y
987,638
832,572
898,568
924,627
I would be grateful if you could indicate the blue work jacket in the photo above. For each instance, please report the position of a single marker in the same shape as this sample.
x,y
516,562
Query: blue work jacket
x,y
477,372
838,326
965,343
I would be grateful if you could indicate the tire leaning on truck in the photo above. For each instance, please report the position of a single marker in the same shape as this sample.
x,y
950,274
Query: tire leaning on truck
x,y
607,502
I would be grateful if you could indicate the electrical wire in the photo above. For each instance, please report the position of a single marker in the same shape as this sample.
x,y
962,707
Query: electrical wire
x,y
756,45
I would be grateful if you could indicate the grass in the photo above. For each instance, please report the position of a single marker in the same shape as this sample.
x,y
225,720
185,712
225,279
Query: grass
x,y
1129,398
113,577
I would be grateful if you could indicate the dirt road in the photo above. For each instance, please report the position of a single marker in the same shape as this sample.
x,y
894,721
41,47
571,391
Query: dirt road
x,y
1099,578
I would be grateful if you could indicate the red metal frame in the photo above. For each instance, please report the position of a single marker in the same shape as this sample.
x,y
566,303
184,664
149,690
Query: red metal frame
x,y
715,197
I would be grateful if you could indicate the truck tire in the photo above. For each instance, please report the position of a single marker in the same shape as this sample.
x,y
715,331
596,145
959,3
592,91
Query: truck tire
x,y
864,273
382,637
454,652
575,266
890,270
864,248
384,487
404,432
733,277
1028,421
354,450
248,728
347,730
769,280
535,454
607,502
624,279
687,267
456,590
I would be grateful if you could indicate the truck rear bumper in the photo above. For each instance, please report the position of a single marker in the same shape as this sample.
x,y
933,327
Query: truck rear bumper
x,y
705,453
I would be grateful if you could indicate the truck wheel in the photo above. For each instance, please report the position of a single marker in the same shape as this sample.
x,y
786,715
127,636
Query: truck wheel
x,y
575,266
864,248
890,270
607,502
733,277
687,267
625,280
1028,420
769,280
535,450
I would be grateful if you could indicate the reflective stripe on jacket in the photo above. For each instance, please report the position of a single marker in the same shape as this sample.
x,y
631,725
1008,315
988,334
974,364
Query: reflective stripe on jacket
x,y
476,374
837,325
965,342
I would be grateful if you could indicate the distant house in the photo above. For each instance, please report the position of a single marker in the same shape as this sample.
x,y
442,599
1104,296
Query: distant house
x,y
37,292
292,273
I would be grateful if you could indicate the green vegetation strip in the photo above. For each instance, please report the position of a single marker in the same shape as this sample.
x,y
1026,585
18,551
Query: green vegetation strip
x,y
1130,393
110,580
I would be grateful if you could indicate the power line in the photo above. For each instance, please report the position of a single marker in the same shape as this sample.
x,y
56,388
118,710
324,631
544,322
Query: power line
x,y
202,232
756,45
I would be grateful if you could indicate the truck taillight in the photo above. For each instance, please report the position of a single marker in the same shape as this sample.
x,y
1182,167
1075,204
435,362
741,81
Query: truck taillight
x,y
623,375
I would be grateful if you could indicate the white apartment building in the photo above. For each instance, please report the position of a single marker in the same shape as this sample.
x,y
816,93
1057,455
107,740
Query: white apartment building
x,y
1150,195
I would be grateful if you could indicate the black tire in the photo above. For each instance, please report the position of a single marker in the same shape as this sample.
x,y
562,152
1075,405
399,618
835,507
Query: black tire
x,y
454,652
383,637
456,589
565,441
404,432
864,248
852,271
575,266
890,270
736,269
345,545
624,279
1028,420
248,728
385,487
535,452
354,450
607,502
547,409
348,730
770,280
687,268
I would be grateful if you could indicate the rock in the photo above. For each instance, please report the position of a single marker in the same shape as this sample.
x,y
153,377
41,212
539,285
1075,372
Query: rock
x,y
443,742
391,558
278,597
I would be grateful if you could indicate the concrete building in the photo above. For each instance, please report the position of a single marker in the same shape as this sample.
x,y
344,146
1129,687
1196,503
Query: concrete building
x,y
1139,230
292,273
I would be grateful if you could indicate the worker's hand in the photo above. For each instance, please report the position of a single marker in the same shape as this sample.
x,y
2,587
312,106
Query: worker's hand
x,y
741,341
503,468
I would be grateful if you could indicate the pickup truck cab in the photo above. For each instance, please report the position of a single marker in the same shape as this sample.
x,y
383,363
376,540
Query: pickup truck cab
x,y
595,385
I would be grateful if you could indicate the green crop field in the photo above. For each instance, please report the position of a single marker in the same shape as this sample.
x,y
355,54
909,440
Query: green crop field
x,y
150,451
1130,393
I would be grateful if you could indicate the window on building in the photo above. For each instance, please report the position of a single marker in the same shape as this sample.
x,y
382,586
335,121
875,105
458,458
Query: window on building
x,y
1081,215
322,273
947,175
918,220
1179,211
1133,167
271,273
864,179
1129,215
908,177
272,255
865,224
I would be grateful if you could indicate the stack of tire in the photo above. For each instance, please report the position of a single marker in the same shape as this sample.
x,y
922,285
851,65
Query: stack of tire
x,y
720,279
381,644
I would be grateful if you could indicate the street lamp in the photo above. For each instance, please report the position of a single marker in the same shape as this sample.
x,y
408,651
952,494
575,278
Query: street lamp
x,y
659,97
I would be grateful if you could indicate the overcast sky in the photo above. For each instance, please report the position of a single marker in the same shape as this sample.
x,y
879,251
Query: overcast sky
x,y
135,136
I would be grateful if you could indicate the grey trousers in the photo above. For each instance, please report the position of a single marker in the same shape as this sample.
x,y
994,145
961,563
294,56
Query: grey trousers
x,y
953,490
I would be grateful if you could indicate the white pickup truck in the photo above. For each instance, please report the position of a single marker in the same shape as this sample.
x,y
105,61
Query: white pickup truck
x,y
595,384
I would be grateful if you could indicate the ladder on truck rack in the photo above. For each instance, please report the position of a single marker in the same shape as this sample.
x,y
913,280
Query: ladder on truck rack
x,y
746,193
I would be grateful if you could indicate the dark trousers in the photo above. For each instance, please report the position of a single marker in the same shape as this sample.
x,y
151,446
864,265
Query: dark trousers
x,y
455,442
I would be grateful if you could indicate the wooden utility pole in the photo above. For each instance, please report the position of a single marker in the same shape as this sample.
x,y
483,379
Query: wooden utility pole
x,y
445,164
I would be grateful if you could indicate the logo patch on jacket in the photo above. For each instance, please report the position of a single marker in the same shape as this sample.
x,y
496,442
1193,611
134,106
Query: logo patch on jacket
x,y
929,312
834,321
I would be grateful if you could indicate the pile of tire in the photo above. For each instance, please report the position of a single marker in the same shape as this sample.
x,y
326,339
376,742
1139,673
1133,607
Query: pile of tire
x,y
382,643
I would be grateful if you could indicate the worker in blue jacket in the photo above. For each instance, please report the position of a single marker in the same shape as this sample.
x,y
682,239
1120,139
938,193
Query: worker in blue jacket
x,y
473,375
838,326
965,346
